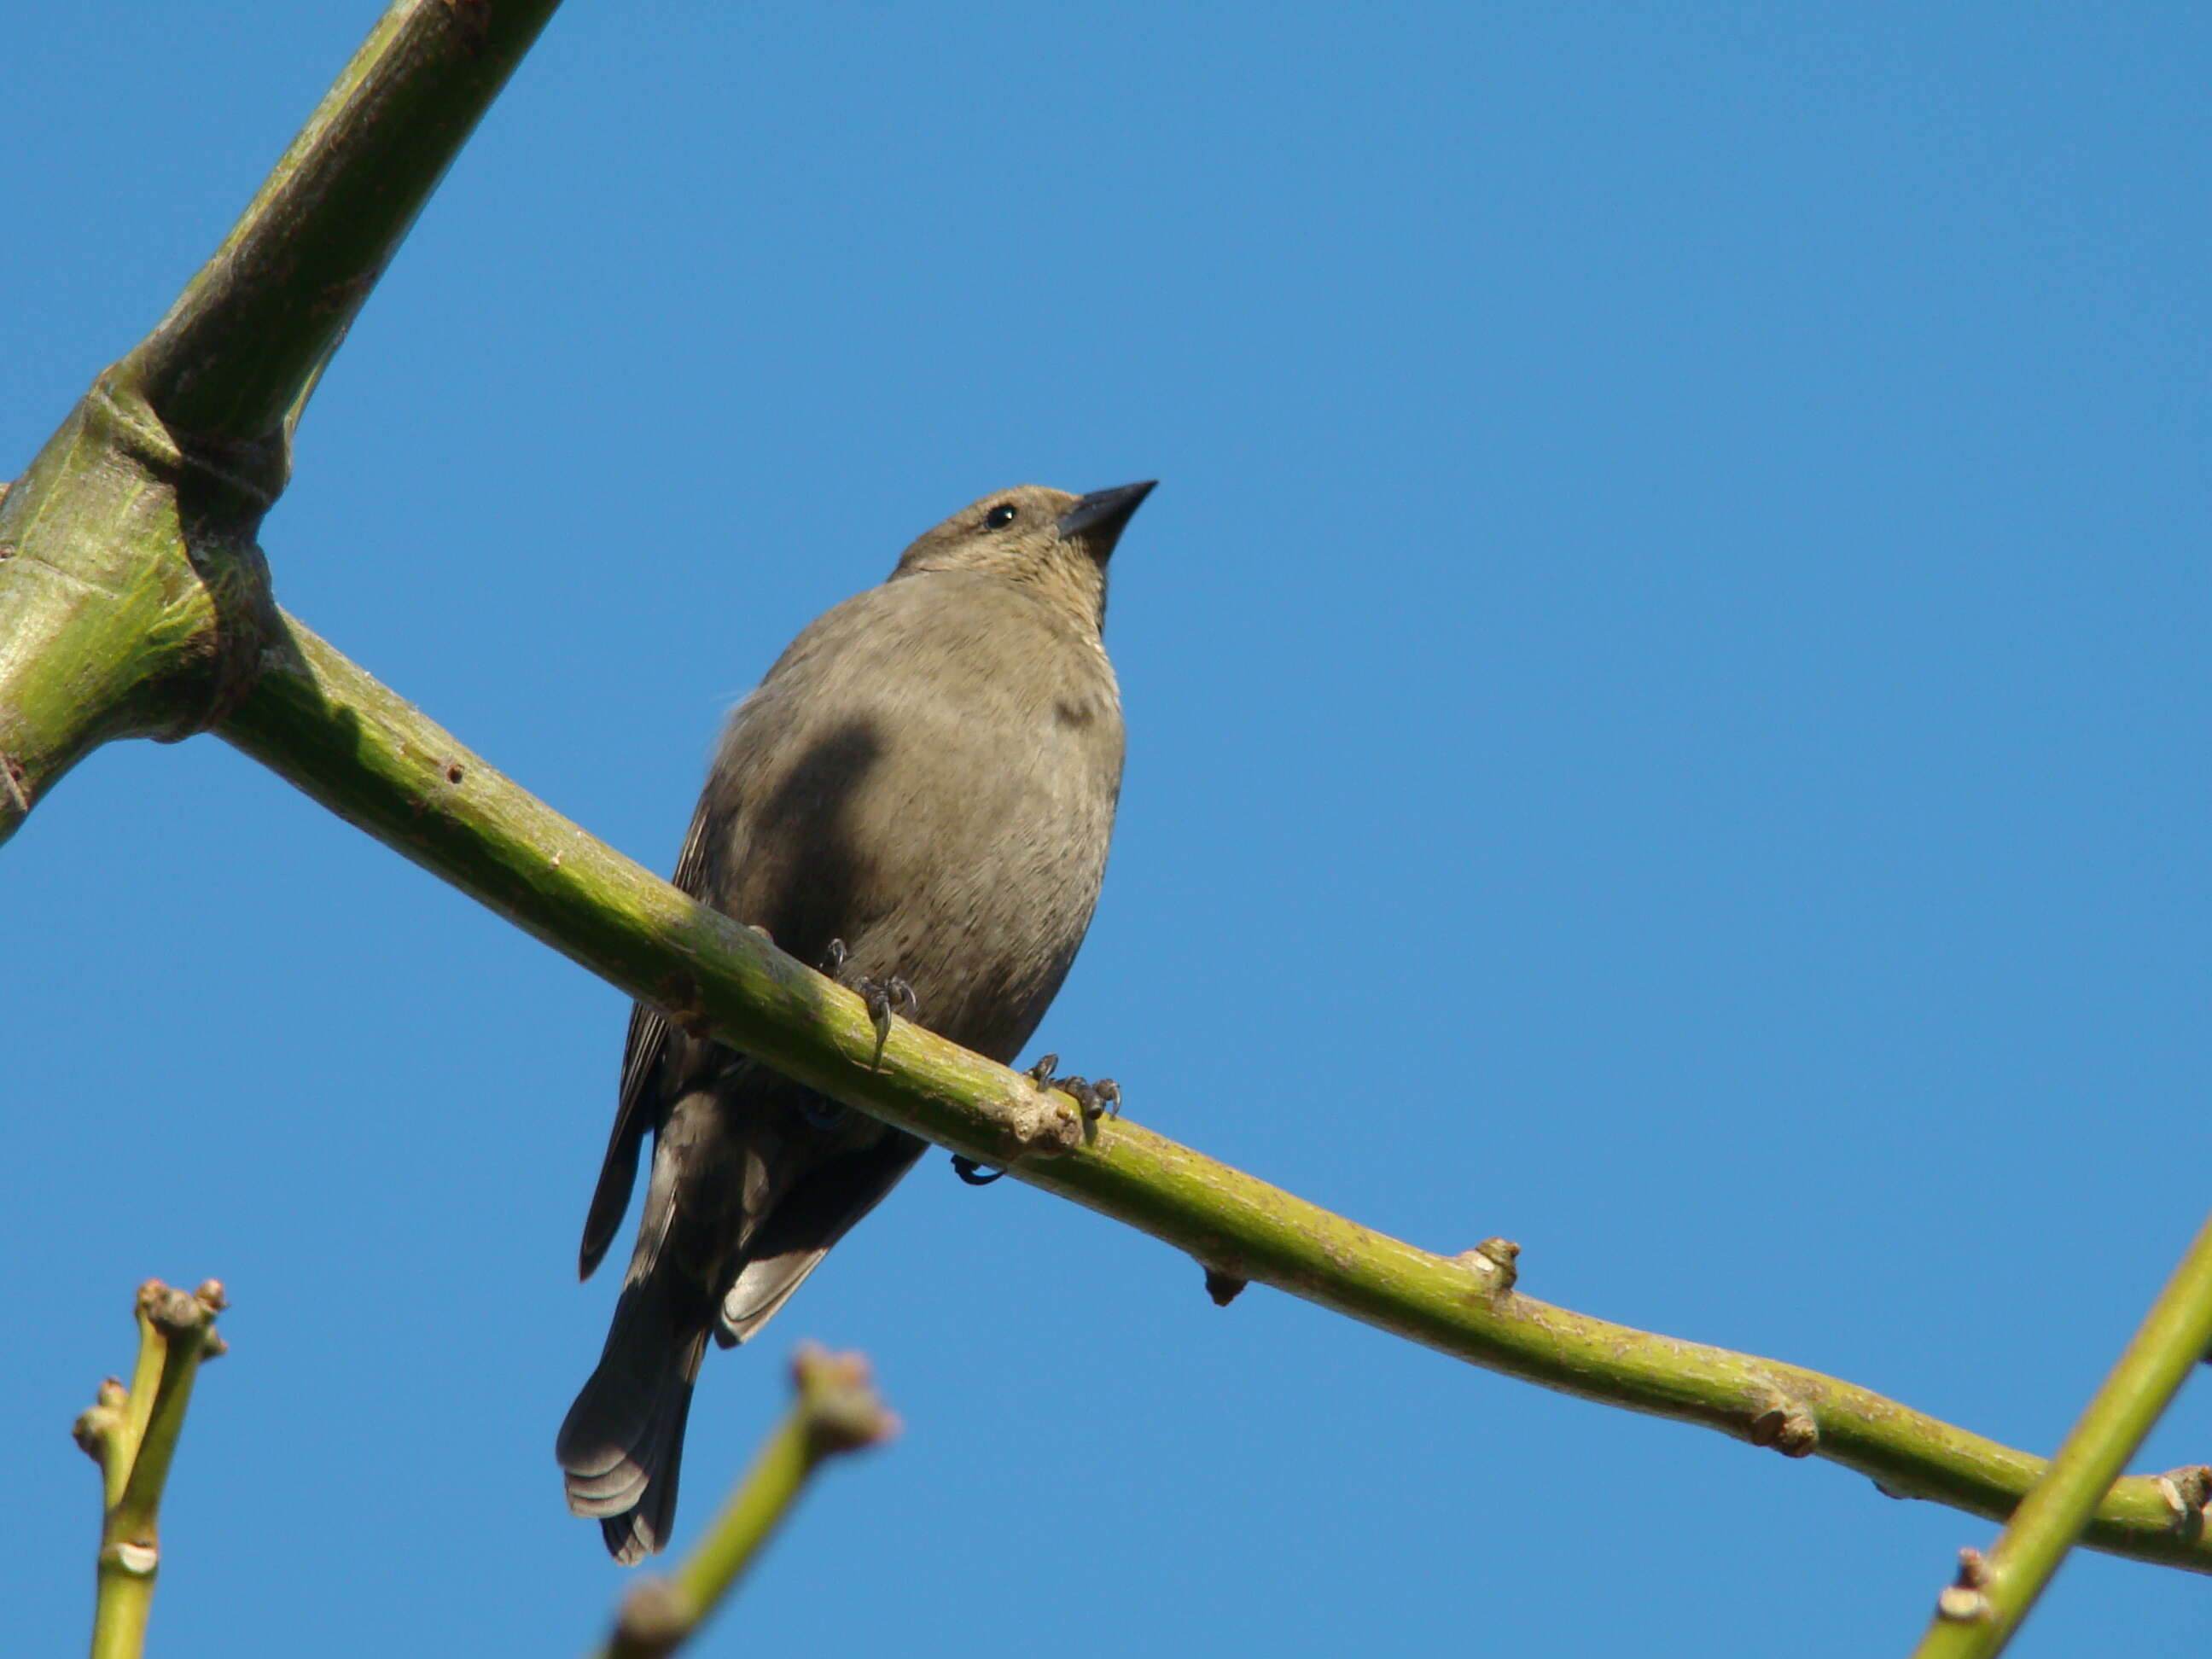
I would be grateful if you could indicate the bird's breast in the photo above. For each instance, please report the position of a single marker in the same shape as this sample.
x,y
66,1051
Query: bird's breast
x,y
941,801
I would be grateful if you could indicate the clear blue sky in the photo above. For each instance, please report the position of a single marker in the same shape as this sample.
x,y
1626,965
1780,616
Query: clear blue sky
x,y
1668,721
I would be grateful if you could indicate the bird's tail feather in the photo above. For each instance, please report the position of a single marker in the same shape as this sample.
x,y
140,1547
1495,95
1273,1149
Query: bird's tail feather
x,y
817,1211
762,1288
621,1445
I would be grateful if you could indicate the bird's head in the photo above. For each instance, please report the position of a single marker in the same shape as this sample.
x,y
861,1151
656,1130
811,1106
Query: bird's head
x,y
1047,539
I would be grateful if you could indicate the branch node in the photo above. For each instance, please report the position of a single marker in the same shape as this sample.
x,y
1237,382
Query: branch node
x,y
1961,1606
1497,1260
139,1560
12,770
653,1619
2187,1490
1037,1123
98,1427
173,1313
843,1411
1223,1287
1788,1427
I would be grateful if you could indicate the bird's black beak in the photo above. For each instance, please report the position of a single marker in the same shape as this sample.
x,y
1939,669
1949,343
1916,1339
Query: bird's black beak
x,y
1099,516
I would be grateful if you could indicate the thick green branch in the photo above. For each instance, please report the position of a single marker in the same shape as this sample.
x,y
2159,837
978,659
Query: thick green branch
x,y
837,1410
376,761
132,597
133,600
1978,1615
242,345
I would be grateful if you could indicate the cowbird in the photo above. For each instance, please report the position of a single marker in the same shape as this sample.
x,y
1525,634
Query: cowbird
x,y
917,798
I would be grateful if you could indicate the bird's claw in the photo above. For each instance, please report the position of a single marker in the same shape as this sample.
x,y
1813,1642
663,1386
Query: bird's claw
x,y
1095,1100
881,996
1092,1099
972,1172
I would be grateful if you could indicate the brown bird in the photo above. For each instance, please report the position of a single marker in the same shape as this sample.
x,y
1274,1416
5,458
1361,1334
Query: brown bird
x,y
918,798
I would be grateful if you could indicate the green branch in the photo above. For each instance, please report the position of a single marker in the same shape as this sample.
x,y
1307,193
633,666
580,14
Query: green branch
x,y
132,1434
240,349
837,1410
133,599
1976,1615
376,761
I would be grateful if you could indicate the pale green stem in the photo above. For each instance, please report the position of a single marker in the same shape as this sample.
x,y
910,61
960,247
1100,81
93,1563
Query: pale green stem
x,y
134,1437
1976,1615
837,1410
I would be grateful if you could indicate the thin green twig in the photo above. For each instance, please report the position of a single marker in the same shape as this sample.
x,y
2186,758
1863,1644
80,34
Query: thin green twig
x,y
132,1434
1978,1613
837,1410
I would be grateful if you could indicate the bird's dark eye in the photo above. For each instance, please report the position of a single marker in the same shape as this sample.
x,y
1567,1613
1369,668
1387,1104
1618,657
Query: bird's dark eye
x,y
999,516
